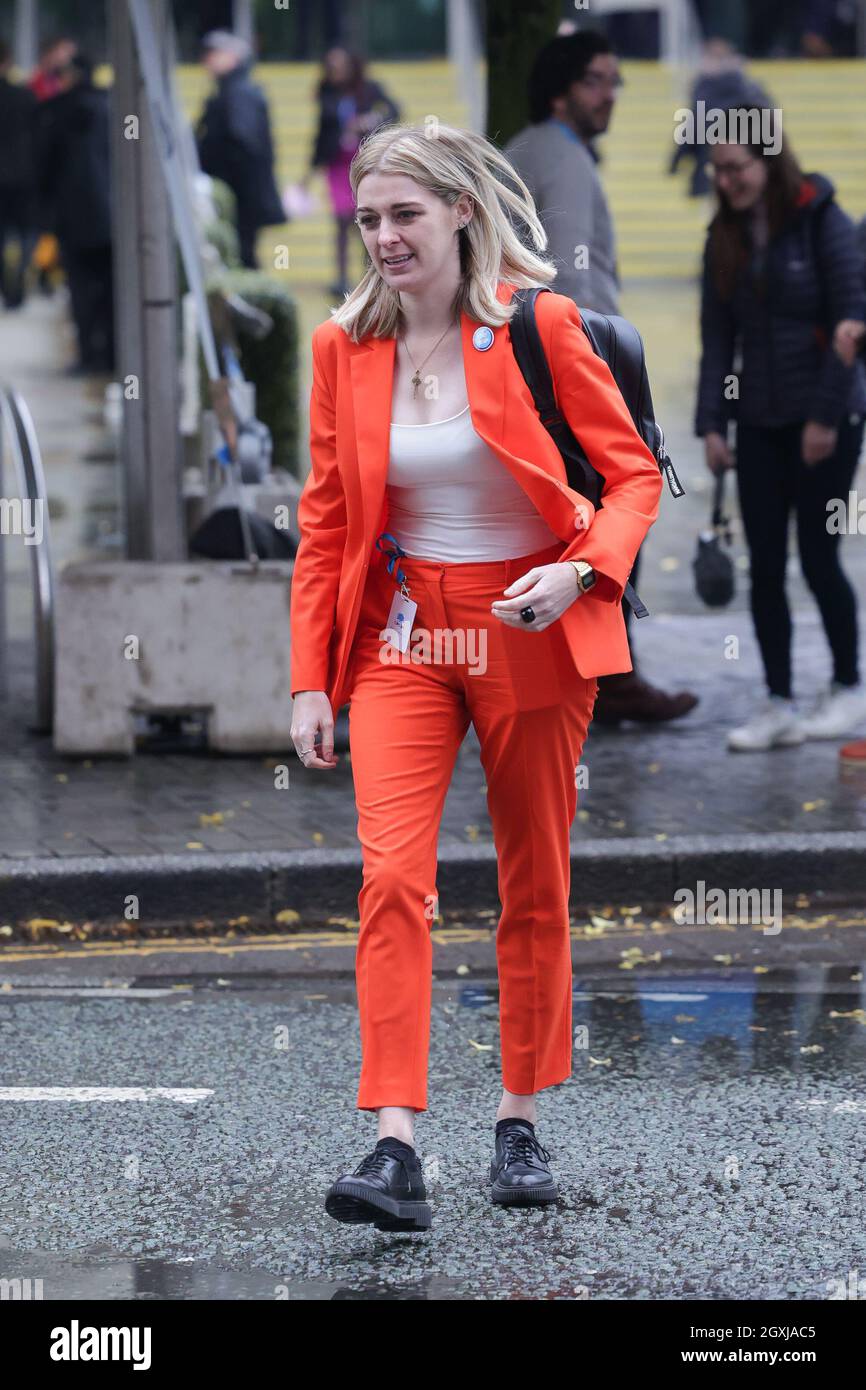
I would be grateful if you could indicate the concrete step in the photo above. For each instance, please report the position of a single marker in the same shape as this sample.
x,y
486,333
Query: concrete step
x,y
660,231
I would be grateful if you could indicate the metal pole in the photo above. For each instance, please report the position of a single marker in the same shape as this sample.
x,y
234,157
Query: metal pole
x,y
164,118
146,295
357,27
243,21
4,656
25,44
18,425
463,38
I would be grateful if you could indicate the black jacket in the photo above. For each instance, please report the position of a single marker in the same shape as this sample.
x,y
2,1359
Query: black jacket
x,y
73,155
17,143
327,143
234,144
814,277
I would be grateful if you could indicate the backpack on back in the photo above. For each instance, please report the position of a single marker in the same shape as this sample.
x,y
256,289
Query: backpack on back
x,y
620,345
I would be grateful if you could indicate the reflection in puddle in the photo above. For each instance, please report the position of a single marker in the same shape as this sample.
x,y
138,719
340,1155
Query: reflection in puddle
x,y
51,1277
779,1050
760,1019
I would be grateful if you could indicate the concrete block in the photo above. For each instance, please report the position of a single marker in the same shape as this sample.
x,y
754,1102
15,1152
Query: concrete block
x,y
140,636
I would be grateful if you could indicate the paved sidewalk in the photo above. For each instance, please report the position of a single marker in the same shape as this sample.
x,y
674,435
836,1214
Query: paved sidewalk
x,y
211,837
676,780
646,789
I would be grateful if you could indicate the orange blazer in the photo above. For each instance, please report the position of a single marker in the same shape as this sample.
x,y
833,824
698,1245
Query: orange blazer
x,y
343,506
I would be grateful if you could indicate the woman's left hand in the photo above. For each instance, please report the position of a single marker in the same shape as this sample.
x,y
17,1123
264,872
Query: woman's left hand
x,y
547,589
818,442
847,339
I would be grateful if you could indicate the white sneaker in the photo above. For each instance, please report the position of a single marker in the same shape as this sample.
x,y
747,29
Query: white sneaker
x,y
840,711
776,724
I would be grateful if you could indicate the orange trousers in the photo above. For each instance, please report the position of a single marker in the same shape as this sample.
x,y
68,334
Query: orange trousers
x,y
407,719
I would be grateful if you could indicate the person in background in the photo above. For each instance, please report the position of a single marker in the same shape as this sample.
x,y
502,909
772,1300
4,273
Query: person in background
x,y
829,29
781,271
17,181
234,139
573,88
720,83
326,16
55,55
74,178
44,82
351,105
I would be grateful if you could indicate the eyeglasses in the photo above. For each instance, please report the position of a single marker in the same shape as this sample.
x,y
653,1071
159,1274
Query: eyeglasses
x,y
595,81
716,170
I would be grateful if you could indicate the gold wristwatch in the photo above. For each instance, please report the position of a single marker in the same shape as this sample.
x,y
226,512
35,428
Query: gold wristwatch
x,y
586,575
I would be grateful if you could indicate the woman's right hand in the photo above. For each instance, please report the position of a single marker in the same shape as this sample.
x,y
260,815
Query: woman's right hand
x,y
311,716
719,456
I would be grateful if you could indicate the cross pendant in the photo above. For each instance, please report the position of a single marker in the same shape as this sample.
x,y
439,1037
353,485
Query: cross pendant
x,y
416,382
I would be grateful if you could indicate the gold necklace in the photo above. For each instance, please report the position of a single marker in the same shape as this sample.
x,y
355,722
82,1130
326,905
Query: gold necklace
x,y
416,379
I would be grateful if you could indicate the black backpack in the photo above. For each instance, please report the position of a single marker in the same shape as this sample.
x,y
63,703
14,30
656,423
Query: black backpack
x,y
620,345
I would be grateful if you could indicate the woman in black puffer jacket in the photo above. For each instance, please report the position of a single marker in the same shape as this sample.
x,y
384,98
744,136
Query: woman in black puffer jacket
x,y
781,269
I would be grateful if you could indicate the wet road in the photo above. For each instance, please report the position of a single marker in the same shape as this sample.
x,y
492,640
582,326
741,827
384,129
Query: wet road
x,y
709,1143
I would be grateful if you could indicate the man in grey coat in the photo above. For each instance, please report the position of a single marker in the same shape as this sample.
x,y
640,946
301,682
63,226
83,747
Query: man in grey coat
x,y
573,88
572,91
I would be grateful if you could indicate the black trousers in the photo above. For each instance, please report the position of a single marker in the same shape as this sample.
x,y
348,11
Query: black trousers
x,y
16,225
89,273
247,236
773,481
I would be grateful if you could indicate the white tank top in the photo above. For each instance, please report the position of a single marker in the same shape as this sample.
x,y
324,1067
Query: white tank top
x,y
451,498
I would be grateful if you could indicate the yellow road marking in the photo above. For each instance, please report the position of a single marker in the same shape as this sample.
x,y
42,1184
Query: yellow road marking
x,y
324,940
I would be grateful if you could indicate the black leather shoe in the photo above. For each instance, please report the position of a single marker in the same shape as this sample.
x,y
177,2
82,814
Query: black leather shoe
x,y
519,1171
386,1188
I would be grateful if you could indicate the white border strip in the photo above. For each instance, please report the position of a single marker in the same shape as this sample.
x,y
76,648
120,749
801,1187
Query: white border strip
x,y
186,1095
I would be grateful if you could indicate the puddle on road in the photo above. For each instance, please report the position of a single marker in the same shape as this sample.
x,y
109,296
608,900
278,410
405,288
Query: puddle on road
x,y
760,1018
766,1017
36,1277
740,1018
677,1027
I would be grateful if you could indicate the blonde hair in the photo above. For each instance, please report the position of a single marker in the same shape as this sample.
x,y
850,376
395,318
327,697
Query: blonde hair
x,y
450,162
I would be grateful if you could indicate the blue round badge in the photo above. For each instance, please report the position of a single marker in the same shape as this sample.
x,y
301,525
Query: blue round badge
x,y
482,338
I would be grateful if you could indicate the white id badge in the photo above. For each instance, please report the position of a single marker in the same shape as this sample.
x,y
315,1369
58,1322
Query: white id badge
x,y
399,625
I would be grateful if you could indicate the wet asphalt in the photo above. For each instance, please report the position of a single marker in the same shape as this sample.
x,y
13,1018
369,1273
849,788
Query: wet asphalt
x,y
708,1145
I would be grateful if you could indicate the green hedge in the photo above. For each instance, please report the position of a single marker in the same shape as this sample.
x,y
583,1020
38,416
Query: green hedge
x,y
223,235
222,232
224,201
272,363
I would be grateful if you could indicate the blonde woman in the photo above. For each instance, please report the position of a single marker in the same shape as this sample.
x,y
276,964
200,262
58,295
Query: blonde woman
x,y
447,575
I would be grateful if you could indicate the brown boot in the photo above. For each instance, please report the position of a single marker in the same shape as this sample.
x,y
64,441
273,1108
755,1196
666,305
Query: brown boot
x,y
629,696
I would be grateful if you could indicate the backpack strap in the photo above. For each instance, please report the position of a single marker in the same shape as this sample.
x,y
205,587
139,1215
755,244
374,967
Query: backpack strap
x,y
533,363
529,351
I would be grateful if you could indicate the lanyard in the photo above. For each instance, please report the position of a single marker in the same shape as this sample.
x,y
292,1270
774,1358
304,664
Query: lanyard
x,y
393,563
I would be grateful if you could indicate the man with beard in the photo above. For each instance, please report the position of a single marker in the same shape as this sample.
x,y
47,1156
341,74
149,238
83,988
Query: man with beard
x,y
573,87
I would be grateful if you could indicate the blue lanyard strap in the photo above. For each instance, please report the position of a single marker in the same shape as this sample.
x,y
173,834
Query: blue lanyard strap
x,y
394,554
